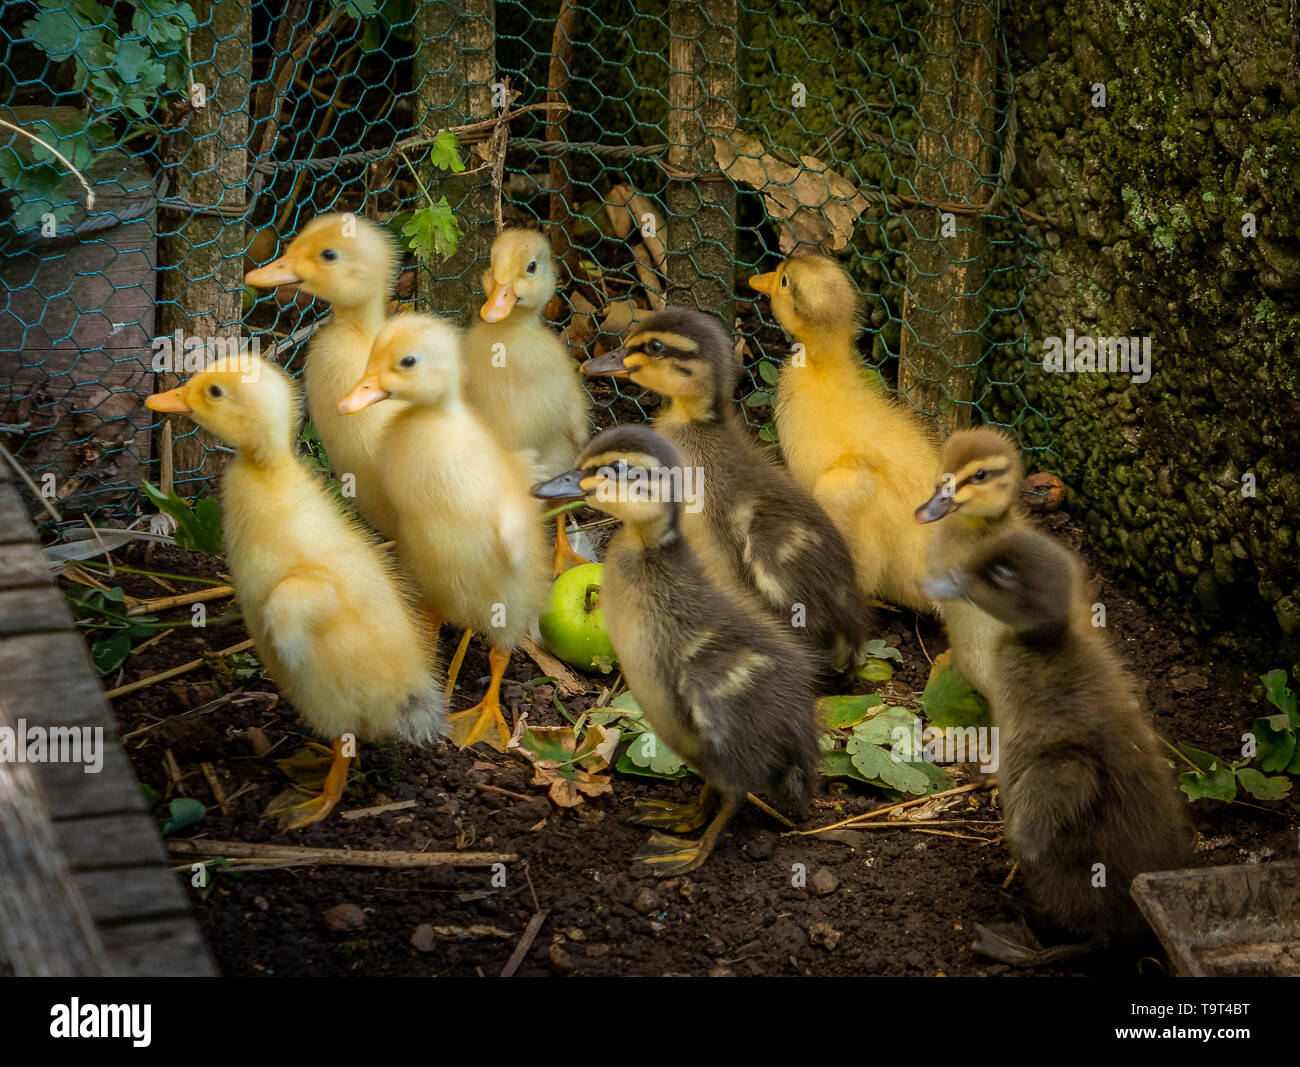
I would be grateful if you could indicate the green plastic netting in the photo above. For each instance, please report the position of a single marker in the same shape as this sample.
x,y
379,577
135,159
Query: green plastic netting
x,y
699,142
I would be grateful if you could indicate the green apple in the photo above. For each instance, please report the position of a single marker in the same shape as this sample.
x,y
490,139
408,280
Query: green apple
x,y
573,624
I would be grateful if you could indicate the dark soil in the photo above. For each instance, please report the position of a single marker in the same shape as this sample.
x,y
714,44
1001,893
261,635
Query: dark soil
x,y
890,902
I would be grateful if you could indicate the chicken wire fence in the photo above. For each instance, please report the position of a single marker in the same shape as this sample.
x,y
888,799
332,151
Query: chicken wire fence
x,y
669,153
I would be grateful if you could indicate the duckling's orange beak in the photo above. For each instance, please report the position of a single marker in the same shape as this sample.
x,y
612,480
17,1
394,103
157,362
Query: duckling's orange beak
x,y
764,283
367,392
174,401
500,302
279,272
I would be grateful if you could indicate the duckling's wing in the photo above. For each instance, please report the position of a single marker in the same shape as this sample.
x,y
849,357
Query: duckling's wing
x,y
296,610
515,520
1052,797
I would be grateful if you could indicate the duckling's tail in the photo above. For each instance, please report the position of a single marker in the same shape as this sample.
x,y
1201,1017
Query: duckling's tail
x,y
795,788
424,718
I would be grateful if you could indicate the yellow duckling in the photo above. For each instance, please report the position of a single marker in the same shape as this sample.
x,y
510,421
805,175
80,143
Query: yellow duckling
x,y
519,375
321,603
976,498
352,264
865,458
467,530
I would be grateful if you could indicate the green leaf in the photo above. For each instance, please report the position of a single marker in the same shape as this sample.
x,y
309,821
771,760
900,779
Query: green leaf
x,y
874,670
841,712
433,231
648,752
109,653
58,33
950,700
893,725
768,433
1204,760
872,761
131,58
877,649
939,778
1275,745
839,764
1280,696
760,398
361,9
768,372
1220,783
1263,787
198,528
444,153
185,811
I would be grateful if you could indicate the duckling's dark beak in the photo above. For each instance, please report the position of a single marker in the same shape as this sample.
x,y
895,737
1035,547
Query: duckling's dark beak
x,y
937,506
566,486
948,586
611,364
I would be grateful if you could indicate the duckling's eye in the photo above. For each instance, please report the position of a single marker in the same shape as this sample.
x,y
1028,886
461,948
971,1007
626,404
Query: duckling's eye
x,y
655,347
1002,575
532,267
329,255
216,392
407,362
980,475
785,281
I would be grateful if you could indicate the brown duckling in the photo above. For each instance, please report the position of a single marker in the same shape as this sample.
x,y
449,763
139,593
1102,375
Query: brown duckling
x,y
756,522
976,498
724,685
1089,800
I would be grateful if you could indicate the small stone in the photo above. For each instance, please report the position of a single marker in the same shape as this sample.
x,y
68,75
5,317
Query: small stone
x,y
561,961
574,934
423,940
261,903
761,846
344,918
645,901
824,934
823,883
719,971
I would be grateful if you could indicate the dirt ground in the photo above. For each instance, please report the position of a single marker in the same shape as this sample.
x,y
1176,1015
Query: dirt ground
x,y
885,902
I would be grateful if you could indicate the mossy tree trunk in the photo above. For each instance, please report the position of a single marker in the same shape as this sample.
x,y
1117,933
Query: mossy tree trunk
x,y
941,342
201,283
702,91
455,66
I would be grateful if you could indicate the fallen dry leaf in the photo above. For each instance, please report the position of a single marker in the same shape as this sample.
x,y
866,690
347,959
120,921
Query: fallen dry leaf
x,y
814,204
570,769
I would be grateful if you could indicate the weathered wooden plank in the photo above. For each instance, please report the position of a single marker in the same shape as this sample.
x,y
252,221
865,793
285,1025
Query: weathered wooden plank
x,y
145,892
121,839
70,792
22,565
48,679
34,609
45,924
15,526
161,948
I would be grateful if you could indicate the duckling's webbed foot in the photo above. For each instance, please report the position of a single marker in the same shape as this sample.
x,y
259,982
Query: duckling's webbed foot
x,y
1016,944
320,776
666,855
679,818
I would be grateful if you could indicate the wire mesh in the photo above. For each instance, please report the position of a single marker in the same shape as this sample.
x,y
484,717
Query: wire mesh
x,y
700,142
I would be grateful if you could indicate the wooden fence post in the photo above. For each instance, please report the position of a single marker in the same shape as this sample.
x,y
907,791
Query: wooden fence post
x,y
941,345
201,256
455,66
702,87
